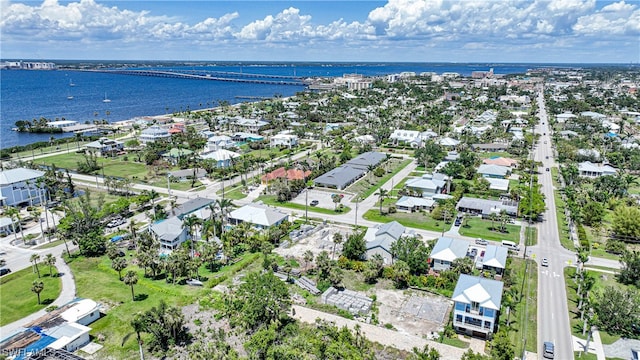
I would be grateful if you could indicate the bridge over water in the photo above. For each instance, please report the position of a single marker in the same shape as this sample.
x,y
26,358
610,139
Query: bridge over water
x,y
211,75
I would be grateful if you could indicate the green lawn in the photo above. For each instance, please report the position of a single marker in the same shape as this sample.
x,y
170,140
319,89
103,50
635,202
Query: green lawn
x,y
524,315
28,154
95,279
366,189
414,220
50,244
111,166
18,300
563,227
271,200
531,236
574,313
480,228
180,185
578,355
234,193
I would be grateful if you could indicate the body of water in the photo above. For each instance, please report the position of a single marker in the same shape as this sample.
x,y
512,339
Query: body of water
x,y
27,95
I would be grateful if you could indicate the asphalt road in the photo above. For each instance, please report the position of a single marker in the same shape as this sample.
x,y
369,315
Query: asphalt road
x,y
553,312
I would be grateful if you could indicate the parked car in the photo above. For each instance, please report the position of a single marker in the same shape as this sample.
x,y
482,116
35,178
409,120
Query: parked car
x,y
314,202
458,222
4,271
481,241
547,169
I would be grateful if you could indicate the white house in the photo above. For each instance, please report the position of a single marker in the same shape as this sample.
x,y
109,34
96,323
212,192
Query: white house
x,y
428,185
105,146
445,251
494,171
222,157
218,142
412,204
494,258
260,216
412,137
288,140
169,232
153,133
476,305
591,170
18,187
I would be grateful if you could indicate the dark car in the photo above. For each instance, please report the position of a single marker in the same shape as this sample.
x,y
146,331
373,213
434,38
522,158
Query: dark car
x,y
458,222
313,202
4,271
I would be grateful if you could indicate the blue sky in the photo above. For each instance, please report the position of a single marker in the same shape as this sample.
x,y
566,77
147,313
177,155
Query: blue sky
x,y
565,31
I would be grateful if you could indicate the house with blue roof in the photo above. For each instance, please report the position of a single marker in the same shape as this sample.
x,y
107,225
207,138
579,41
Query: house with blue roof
x,y
494,259
476,306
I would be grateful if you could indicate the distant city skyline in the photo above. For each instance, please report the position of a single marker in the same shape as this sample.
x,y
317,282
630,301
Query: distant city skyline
x,y
557,31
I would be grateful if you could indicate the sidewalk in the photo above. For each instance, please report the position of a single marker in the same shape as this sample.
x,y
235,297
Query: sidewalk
x,y
67,294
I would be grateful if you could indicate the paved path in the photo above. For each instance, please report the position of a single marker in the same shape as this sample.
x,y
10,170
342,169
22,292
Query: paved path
x,y
380,335
67,294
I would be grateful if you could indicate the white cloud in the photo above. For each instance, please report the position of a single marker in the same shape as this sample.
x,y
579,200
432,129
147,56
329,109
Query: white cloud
x,y
614,19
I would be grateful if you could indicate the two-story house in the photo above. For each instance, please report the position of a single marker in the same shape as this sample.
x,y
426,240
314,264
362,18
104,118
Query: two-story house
x,y
105,146
446,251
20,187
170,233
476,305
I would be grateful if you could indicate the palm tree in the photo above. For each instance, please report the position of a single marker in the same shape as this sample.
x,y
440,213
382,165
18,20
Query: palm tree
x,y
50,260
224,205
34,259
37,286
36,212
493,216
132,230
337,240
119,264
12,212
212,218
131,278
189,223
382,194
308,258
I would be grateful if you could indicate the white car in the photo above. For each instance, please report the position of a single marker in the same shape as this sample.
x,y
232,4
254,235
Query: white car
x,y
481,241
545,262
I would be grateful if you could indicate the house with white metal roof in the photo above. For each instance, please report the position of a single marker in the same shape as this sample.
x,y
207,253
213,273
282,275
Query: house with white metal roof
x,y
259,215
222,158
413,204
154,133
445,251
494,258
498,184
486,207
476,306
591,170
20,187
105,146
380,238
494,171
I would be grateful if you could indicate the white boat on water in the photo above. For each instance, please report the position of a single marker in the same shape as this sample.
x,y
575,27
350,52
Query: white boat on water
x,y
71,83
106,99
70,97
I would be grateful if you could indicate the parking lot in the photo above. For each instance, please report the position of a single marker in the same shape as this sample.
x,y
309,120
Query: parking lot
x,y
323,198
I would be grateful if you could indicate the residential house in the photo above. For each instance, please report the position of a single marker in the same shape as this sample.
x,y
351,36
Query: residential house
x,y
187,174
218,142
177,128
170,233
249,125
365,139
287,174
501,161
498,184
380,238
413,138
494,171
494,259
7,225
288,140
223,158
413,204
258,215
591,170
194,207
154,133
490,147
20,187
346,174
486,207
427,185
449,142
174,155
246,137
564,117
476,305
105,146
445,251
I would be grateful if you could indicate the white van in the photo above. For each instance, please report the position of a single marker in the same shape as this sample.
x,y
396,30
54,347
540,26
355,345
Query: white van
x,y
510,245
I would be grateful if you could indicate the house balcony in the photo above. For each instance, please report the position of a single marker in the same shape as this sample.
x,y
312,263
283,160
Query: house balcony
x,y
471,326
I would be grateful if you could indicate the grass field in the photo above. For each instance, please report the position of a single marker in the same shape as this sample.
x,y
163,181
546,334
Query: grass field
x,y
572,300
366,189
95,279
523,319
19,301
413,220
271,200
479,228
111,166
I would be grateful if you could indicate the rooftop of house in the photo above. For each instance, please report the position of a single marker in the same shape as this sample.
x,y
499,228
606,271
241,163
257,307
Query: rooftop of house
x,y
258,214
17,175
486,292
449,249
